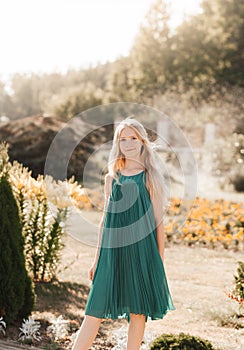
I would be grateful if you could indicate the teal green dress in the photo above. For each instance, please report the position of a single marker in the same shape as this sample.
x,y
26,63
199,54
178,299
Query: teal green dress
x,y
130,275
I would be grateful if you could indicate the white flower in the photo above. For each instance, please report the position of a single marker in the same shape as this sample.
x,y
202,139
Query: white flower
x,y
58,328
30,330
120,337
2,326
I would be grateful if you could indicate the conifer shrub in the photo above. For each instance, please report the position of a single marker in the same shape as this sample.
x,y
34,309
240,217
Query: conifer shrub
x,y
180,342
16,289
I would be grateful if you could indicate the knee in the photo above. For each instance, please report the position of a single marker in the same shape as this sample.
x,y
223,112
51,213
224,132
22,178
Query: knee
x,y
92,319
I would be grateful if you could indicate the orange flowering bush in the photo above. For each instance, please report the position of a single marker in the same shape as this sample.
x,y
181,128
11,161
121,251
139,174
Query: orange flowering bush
x,y
209,223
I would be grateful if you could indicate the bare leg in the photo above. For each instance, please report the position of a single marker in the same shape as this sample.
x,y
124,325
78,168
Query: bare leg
x,y
136,331
87,333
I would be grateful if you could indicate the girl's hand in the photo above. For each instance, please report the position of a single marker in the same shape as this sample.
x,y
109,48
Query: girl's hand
x,y
92,271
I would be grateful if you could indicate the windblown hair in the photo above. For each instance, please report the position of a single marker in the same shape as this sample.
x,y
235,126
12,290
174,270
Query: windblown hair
x,y
150,160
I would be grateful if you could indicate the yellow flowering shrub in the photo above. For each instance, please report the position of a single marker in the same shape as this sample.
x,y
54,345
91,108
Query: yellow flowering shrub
x,y
210,223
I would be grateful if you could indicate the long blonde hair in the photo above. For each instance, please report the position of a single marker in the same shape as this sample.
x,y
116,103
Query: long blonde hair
x,y
151,161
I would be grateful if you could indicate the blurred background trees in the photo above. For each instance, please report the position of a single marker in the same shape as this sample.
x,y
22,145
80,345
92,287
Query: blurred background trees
x,y
193,73
204,53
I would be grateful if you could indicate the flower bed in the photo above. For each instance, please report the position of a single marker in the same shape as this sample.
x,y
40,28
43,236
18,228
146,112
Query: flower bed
x,y
218,223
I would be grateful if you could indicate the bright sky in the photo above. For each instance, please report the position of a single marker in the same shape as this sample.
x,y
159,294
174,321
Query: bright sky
x,y
54,35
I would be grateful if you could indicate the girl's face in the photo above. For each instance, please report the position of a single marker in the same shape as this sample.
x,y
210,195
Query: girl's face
x,y
129,143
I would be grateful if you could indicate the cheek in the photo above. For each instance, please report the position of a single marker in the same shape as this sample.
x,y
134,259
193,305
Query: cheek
x,y
121,146
139,145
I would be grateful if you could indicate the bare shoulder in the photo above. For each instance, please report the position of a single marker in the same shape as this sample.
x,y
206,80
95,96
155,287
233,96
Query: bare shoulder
x,y
108,178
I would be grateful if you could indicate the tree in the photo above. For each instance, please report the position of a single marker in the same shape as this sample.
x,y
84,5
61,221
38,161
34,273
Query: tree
x,y
204,53
210,45
81,99
16,291
151,53
119,84
225,19
26,96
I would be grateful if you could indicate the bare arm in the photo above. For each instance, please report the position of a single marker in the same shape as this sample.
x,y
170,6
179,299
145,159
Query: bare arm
x,y
157,203
160,240
107,191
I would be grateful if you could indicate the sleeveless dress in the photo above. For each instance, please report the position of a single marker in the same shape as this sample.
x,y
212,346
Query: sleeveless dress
x,y
130,275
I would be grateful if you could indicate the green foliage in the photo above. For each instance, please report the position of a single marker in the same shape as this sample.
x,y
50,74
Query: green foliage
x,y
238,182
80,101
223,22
29,298
16,290
43,233
120,86
205,51
239,280
180,342
151,54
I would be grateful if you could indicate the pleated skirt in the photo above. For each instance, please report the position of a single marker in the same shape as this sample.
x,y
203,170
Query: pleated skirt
x,y
130,275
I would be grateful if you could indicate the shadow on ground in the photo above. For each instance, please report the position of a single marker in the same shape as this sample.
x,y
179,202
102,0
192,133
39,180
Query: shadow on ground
x,y
61,298
69,300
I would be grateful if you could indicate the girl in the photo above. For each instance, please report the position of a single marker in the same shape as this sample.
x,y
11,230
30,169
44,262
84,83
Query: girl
x,y
128,277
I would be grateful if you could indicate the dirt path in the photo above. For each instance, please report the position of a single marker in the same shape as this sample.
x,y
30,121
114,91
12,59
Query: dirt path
x,y
198,278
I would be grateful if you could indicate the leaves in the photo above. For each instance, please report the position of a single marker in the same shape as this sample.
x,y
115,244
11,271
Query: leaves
x,y
30,330
2,326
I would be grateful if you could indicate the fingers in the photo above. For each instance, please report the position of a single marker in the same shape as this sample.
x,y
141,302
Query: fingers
x,y
91,274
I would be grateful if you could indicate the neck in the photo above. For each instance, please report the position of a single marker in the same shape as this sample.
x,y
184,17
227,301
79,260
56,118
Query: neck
x,y
133,164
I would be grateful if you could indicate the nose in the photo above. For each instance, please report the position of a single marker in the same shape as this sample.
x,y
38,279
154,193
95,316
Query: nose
x,y
129,144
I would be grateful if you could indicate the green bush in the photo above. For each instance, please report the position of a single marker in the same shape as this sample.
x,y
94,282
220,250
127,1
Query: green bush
x,y
16,290
239,280
43,236
238,182
180,342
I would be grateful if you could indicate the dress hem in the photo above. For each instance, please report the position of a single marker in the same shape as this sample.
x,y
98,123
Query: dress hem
x,y
126,315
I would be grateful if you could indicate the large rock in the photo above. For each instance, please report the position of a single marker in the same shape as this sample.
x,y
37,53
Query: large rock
x,y
30,139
